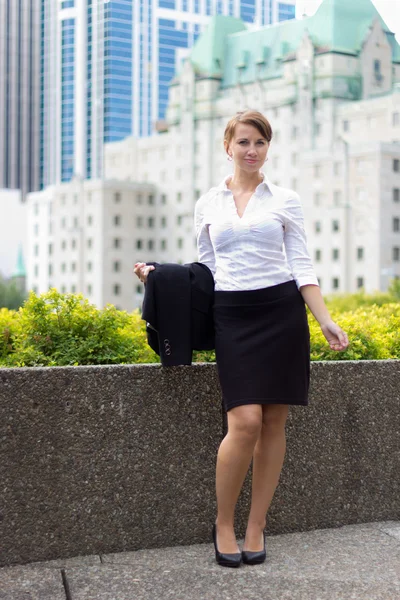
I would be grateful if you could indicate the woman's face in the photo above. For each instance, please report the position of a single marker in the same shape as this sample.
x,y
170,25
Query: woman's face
x,y
248,148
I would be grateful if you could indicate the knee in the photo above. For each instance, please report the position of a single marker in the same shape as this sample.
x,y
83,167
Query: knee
x,y
248,428
274,421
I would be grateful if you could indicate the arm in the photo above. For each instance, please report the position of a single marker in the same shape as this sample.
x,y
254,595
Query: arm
x,y
335,336
303,272
205,248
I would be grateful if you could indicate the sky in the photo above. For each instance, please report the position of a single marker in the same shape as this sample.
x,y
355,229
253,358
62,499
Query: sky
x,y
389,10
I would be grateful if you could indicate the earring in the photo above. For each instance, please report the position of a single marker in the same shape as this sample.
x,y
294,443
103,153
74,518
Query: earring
x,y
229,157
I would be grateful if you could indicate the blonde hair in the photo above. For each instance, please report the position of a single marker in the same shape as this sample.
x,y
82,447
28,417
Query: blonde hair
x,y
248,117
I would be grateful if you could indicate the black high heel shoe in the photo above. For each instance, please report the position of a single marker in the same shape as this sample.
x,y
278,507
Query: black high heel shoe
x,y
225,560
254,558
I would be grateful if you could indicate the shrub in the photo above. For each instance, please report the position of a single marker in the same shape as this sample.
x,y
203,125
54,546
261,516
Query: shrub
x,y
56,329
65,329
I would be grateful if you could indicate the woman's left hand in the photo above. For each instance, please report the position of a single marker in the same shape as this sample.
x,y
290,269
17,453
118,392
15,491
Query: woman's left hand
x,y
335,336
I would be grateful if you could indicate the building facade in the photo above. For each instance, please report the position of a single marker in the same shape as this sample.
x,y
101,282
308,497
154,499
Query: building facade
x,y
106,68
19,94
13,231
334,105
164,30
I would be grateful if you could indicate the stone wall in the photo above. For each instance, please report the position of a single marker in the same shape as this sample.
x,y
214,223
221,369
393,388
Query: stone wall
x,y
107,459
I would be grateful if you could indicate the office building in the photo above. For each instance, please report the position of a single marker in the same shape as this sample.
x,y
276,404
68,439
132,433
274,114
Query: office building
x,y
106,68
19,94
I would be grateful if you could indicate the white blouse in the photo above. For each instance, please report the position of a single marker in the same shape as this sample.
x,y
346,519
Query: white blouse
x,y
265,247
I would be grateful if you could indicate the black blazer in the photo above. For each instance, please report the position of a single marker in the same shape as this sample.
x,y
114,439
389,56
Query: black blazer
x,y
177,308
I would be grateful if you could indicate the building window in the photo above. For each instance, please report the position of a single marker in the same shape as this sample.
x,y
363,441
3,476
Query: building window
x,y
139,199
294,133
36,250
63,289
337,197
117,197
117,220
89,243
396,224
180,243
179,220
317,129
151,199
36,270
117,266
360,253
360,282
163,199
73,244
163,221
317,171
163,244
36,229
117,243
73,267
317,227
335,254
318,255
75,223
396,194
50,249
335,225
294,184
335,283
150,222
139,221
346,126
90,220
89,266
396,254
139,245
139,289
50,270
179,197
63,245
117,289
317,199
337,168
396,165
89,289
73,289
150,244
63,267
197,194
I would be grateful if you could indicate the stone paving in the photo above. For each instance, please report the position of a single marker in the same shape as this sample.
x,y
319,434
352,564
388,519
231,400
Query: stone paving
x,y
359,562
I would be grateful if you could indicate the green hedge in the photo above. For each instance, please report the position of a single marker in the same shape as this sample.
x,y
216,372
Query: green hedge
x,y
56,329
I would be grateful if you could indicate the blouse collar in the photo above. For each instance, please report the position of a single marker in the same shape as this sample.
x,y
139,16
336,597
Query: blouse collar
x,y
264,186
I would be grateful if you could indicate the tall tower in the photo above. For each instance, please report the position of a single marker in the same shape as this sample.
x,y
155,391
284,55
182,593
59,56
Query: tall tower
x,y
107,66
19,94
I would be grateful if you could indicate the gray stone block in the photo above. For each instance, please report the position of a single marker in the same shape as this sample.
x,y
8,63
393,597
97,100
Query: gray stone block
x,y
95,460
27,583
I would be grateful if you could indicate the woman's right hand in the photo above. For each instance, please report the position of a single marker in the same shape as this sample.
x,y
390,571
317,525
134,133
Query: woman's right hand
x,y
142,270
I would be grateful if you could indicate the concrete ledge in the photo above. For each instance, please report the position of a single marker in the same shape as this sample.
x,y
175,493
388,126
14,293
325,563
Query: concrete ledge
x,y
97,460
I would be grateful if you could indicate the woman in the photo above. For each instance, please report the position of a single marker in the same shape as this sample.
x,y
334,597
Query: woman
x,y
250,234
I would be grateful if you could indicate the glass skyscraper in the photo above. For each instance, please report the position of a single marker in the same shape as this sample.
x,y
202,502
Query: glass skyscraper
x,y
106,67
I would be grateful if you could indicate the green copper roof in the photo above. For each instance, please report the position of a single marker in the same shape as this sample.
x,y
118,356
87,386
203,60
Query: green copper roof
x,y
208,53
20,267
227,49
342,25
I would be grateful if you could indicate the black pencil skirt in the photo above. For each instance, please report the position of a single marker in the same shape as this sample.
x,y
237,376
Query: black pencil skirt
x,y
262,346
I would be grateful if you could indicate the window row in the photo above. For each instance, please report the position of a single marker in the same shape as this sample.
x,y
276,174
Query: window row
x,y
335,283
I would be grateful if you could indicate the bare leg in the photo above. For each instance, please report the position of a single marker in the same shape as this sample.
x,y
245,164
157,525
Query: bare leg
x,y
268,458
233,461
